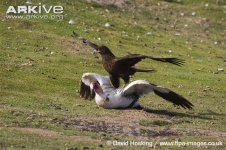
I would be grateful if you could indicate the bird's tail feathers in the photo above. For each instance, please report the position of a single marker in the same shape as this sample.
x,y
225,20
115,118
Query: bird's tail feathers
x,y
144,70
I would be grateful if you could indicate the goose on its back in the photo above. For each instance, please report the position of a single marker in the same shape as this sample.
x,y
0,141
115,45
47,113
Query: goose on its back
x,y
99,87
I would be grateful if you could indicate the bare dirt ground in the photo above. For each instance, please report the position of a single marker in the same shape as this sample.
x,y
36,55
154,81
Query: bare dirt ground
x,y
114,3
125,125
128,124
125,4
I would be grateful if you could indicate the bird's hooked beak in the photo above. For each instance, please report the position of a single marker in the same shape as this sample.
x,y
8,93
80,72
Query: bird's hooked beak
x,y
96,51
96,48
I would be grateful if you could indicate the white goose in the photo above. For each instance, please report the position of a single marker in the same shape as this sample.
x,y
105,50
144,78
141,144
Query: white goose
x,y
99,87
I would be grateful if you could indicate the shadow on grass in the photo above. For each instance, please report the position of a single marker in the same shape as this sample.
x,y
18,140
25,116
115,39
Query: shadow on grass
x,y
212,113
206,116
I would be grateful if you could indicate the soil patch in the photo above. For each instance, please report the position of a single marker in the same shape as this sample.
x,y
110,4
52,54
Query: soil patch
x,y
112,3
128,124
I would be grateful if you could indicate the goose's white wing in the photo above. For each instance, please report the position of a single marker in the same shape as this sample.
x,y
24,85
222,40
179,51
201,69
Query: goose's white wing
x,y
87,79
141,87
138,87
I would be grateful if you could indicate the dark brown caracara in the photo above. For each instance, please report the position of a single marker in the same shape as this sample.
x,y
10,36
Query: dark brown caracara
x,y
123,67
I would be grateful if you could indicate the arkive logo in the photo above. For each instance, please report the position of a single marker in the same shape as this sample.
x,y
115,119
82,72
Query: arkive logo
x,y
38,9
35,12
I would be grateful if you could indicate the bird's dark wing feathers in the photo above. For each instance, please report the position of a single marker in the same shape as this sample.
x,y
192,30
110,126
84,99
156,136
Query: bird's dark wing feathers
x,y
85,91
75,35
132,59
172,60
85,41
173,97
129,60
142,88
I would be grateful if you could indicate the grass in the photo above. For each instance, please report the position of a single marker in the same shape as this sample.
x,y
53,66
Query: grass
x,y
41,66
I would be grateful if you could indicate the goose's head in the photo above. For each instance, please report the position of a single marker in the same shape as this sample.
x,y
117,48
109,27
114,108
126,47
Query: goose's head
x,y
98,89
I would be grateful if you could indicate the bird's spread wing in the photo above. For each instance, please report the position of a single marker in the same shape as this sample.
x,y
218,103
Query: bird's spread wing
x,y
129,60
86,92
172,60
87,79
85,41
132,59
138,87
173,97
142,87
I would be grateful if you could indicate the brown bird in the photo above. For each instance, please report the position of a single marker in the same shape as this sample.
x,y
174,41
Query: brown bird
x,y
123,67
